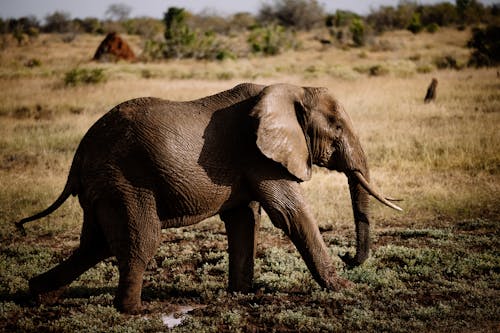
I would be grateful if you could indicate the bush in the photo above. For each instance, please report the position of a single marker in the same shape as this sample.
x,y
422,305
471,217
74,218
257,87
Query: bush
x,y
183,42
90,25
143,26
442,14
79,76
341,18
486,46
23,29
270,40
357,29
33,62
58,22
470,11
432,28
378,70
153,50
242,21
415,25
299,14
446,62
387,18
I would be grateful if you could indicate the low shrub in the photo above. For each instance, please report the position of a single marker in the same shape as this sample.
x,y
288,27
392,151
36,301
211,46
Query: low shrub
x,y
79,76
152,50
271,40
378,70
33,62
425,68
432,28
446,62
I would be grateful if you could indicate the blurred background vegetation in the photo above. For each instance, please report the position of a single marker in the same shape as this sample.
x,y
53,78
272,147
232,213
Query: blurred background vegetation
x,y
274,29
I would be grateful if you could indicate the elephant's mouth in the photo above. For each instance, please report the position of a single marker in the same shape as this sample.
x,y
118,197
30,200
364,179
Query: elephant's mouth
x,y
373,192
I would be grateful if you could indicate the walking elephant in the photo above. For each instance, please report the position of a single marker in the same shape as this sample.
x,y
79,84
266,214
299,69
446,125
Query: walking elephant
x,y
150,163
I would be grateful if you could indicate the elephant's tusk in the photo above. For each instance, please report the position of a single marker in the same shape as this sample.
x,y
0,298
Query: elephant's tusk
x,y
374,193
393,199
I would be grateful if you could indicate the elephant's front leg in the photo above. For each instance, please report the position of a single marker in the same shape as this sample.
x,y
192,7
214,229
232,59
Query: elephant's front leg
x,y
241,224
283,201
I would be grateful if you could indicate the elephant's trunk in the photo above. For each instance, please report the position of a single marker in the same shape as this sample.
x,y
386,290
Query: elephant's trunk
x,y
360,206
361,189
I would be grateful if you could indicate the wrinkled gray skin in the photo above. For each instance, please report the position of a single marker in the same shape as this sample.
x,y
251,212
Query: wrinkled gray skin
x,y
150,164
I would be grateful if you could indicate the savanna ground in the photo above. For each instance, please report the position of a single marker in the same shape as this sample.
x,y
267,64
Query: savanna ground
x,y
434,267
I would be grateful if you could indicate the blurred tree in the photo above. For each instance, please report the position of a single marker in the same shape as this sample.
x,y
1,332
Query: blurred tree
x,y
470,11
388,18
146,27
242,21
486,46
183,42
90,25
23,29
357,29
58,22
415,25
299,14
462,6
442,14
341,18
175,24
271,40
118,11
209,20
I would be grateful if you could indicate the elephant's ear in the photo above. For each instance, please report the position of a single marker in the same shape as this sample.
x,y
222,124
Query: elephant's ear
x,y
280,135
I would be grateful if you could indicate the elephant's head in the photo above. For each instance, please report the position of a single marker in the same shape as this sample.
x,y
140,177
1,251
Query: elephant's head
x,y
299,127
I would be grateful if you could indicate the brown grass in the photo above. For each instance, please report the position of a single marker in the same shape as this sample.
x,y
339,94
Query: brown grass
x,y
422,153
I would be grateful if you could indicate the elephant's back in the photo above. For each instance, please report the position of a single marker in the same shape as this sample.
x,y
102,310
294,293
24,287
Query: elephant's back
x,y
153,144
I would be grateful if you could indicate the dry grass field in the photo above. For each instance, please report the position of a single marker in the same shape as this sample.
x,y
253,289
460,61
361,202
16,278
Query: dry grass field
x,y
434,267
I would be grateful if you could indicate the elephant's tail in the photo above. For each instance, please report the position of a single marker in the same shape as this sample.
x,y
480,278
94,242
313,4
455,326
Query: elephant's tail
x,y
69,189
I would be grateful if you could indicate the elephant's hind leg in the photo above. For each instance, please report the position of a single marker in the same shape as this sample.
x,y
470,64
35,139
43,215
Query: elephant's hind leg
x,y
241,227
134,233
93,249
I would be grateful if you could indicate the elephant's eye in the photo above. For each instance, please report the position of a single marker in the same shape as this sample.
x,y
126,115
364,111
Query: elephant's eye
x,y
331,119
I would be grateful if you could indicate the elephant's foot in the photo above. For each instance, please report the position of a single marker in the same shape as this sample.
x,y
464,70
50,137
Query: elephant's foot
x,y
128,298
50,297
128,307
43,292
240,288
337,283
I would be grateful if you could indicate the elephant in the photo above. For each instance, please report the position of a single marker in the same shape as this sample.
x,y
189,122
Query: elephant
x,y
151,163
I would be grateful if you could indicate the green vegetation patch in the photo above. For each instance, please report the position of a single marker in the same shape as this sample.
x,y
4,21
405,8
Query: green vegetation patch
x,y
446,280
78,76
